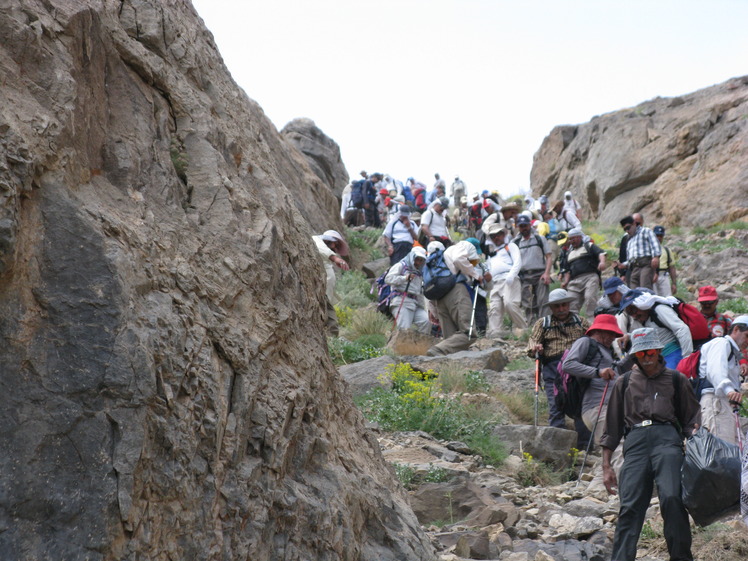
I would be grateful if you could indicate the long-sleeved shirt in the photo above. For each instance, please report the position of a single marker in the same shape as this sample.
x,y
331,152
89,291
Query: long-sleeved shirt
x,y
672,330
557,337
457,257
642,244
719,363
397,278
326,253
576,365
650,399
506,263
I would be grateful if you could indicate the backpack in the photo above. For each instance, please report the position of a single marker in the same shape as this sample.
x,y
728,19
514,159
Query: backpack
x,y
475,216
357,193
689,315
438,280
408,194
384,294
568,390
689,367
419,194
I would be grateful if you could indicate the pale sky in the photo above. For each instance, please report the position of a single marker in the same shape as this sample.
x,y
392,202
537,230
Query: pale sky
x,y
468,87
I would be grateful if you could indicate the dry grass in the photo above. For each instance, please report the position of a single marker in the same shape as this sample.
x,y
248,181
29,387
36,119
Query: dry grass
x,y
522,406
718,542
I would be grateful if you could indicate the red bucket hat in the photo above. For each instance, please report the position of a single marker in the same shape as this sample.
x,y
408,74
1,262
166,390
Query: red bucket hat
x,y
707,294
605,322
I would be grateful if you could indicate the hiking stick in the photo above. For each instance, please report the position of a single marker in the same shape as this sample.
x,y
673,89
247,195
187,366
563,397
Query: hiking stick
x,y
537,385
402,301
592,437
472,316
736,412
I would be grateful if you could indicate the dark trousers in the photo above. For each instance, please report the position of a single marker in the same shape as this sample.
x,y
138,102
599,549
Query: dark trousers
x,y
481,316
372,216
652,454
401,249
556,418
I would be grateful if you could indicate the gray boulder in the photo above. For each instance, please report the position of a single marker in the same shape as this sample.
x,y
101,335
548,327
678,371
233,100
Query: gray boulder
x,y
547,444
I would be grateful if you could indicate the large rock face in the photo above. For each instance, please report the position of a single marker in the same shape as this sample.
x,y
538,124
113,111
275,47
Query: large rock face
x,y
165,388
321,151
680,160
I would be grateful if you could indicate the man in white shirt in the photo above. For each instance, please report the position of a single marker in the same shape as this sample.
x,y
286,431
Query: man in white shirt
x,y
720,365
433,223
399,235
506,294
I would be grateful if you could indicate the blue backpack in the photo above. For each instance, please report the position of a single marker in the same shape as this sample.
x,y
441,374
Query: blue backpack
x,y
384,294
408,194
438,280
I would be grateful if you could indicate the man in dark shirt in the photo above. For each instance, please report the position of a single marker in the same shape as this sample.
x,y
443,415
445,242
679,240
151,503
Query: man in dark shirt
x,y
653,407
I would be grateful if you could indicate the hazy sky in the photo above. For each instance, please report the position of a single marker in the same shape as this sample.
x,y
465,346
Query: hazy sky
x,y
468,87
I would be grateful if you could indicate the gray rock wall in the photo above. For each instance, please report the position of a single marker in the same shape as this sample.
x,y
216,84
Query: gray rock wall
x,y
681,160
165,391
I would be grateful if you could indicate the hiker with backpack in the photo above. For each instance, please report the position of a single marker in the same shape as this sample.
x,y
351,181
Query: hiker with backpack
x,y
458,265
646,309
551,336
718,324
653,408
407,304
434,225
581,266
642,256
719,366
506,293
369,197
399,235
535,273
591,360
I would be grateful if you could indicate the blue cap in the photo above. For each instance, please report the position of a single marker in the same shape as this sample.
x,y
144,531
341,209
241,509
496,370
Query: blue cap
x,y
476,243
523,219
611,285
659,231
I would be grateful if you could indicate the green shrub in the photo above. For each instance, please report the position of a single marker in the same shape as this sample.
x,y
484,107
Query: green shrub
x,y
534,473
414,403
737,305
343,351
405,474
354,290
475,381
521,363
436,474
522,405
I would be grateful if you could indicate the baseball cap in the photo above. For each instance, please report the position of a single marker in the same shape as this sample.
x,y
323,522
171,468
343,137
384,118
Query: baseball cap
x,y
611,285
522,219
659,231
707,294
476,244
741,320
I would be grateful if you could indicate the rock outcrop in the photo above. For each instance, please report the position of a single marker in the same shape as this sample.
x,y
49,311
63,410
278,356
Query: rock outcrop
x,y
165,387
321,151
681,160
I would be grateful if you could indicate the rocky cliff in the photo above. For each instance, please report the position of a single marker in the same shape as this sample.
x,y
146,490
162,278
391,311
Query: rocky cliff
x,y
681,160
165,388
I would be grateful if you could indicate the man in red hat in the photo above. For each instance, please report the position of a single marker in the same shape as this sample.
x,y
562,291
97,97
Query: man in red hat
x,y
719,324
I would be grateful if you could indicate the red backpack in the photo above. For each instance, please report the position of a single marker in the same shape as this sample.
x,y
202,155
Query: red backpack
x,y
692,317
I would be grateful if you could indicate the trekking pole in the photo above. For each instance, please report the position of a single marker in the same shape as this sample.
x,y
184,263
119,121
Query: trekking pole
x,y
472,316
736,412
537,385
592,437
402,301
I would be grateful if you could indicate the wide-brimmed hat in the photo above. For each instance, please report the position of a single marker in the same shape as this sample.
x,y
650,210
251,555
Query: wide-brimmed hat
x,y
495,229
333,236
645,339
563,237
605,322
559,296
574,232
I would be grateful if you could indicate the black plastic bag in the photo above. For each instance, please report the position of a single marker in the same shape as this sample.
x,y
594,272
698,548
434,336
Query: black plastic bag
x,y
710,478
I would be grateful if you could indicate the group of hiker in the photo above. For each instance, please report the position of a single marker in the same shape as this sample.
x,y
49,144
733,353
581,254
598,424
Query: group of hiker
x,y
649,368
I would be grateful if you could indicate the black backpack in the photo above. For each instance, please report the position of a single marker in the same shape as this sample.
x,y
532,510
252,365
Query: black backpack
x,y
568,390
357,193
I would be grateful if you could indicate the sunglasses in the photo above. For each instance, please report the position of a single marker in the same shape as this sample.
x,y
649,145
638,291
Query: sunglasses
x,y
649,352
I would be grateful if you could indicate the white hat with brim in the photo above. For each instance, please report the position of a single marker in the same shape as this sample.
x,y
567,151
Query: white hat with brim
x,y
559,296
333,236
645,339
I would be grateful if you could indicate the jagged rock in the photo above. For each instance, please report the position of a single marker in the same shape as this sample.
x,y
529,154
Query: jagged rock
x,y
457,500
587,507
566,526
166,389
321,151
547,444
678,163
566,550
515,381
364,376
490,359
373,269
475,545
409,342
